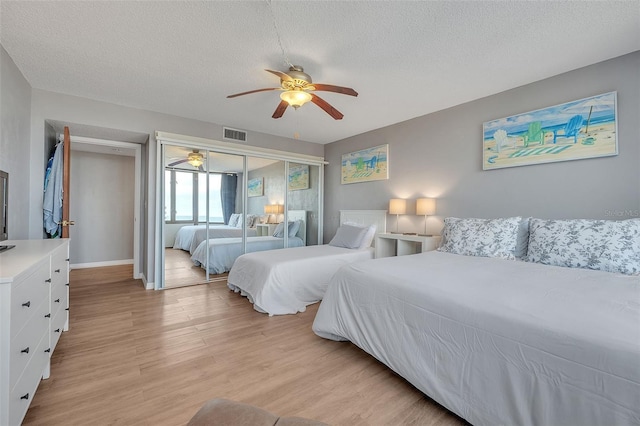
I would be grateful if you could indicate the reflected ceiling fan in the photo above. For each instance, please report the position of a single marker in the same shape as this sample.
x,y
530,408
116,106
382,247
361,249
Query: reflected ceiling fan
x,y
296,86
195,158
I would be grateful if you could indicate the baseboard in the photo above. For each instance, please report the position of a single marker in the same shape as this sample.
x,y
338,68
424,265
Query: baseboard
x,y
101,264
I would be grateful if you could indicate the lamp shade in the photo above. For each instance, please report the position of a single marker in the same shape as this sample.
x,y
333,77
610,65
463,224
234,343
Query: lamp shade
x,y
268,209
397,206
426,206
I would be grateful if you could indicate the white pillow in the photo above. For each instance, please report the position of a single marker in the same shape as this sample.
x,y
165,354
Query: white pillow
x,y
349,236
605,245
292,229
233,220
481,237
368,237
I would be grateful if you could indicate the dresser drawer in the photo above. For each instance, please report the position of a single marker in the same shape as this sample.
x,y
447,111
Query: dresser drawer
x,y
57,326
59,268
58,299
24,344
28,295
24,390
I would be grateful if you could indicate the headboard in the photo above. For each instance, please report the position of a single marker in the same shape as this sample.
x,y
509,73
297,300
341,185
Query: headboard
x,y
299,215
366,217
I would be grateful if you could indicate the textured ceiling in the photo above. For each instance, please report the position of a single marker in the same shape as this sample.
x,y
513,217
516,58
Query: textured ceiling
x,y
405,59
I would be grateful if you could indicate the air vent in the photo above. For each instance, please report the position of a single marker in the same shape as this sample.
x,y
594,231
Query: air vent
x,y
234,134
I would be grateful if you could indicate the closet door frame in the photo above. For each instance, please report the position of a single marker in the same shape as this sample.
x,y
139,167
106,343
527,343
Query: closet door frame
x,y
209,145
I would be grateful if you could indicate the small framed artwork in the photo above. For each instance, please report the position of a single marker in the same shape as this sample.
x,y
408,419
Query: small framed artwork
x,y
365,165
255,187
575,130
298,176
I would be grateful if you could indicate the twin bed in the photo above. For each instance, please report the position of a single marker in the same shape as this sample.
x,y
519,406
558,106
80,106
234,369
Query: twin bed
x,y
286,281
189,237
504,341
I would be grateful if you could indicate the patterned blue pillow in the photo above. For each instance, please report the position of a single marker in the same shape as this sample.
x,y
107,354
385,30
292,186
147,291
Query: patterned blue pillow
x,y
481,237
605,245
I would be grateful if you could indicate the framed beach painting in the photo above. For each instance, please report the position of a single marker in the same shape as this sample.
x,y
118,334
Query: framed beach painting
x,y
298,176
365,165
575,130
255,187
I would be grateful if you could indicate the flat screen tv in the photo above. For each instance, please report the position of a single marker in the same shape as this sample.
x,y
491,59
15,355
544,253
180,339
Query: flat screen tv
x,y
4,205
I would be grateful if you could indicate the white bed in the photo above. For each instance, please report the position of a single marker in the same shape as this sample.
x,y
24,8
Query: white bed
x,y
497,341
190,236
223,252
280,282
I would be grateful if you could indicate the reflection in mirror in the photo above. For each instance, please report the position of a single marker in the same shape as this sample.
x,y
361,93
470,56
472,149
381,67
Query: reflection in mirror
x,y
200,198
303,202
265,200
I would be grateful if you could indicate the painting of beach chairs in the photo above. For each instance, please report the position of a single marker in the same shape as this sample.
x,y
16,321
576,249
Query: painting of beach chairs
x,y
575,130
365,165
298,176
255,187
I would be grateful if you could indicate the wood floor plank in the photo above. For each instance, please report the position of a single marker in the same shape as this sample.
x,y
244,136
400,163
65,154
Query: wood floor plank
x,y
139,357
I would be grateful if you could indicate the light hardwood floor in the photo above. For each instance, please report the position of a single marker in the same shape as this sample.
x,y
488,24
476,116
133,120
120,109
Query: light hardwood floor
x,y
179,270
143,357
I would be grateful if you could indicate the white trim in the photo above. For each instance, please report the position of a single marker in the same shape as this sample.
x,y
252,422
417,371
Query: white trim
x,y
235,148
137,191
101,264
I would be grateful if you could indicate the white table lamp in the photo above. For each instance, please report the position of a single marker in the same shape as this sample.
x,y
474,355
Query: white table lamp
x,y
397,206
425,207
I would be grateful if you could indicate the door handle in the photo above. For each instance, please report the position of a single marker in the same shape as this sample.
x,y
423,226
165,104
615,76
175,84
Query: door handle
x,y
67,222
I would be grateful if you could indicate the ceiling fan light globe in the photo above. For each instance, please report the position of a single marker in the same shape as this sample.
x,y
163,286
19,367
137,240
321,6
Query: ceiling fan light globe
x,y
295,98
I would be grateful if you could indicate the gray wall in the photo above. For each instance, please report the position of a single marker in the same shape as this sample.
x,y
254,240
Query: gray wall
x,y
104,219
15,118
440,155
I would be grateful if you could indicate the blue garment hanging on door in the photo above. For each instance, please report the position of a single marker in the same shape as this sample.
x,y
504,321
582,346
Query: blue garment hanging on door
x,y
52,204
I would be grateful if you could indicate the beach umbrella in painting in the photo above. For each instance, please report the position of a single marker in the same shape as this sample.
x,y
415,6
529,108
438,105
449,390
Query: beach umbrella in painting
x,y
591,105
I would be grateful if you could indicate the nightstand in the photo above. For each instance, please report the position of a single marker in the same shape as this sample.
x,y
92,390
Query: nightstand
x,y
265,229
398,244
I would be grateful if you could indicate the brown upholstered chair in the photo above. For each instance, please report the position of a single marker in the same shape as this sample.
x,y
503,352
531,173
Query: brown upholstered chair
x,y
223,412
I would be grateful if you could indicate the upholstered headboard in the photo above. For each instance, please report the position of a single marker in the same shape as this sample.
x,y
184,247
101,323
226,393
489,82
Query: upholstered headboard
x,y
366,217
299,215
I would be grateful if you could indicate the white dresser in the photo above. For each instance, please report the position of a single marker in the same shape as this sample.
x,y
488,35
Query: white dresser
x,y
34,311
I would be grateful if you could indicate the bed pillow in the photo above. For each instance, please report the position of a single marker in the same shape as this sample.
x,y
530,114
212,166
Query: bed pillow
x,y
294,227
605,245
368,237
481,237
233,220
349,236
522,242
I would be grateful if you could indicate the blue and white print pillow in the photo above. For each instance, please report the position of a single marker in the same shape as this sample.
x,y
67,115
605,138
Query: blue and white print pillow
x,y
481,237
605,245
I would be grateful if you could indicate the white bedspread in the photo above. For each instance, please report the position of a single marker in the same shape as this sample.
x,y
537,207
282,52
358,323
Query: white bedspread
x,y
496,341
285,281
223,252
189,237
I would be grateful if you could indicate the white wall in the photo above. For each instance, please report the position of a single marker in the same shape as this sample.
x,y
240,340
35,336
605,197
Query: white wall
x,y
440,155
15,115
102,199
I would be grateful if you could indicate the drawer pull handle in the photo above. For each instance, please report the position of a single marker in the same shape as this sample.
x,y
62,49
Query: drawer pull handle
x,y
47,350
27,303
57,270
67,260
67,284
25,351
25,396
57,300
48,316
57,330
48,280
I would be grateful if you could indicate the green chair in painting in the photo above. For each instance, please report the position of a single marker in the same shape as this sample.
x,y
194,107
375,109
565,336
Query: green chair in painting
x,y
534,134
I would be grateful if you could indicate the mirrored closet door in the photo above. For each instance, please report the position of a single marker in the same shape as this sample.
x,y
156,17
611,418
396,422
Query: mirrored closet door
x,y
219,205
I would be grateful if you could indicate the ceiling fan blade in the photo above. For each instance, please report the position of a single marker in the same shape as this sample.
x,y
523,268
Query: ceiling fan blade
x,y
337,89
253,91
201,168
280,74
282,106
175,163
326,107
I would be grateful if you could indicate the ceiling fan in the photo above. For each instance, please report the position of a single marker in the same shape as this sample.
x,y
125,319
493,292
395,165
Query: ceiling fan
x,y
195,158
296,86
